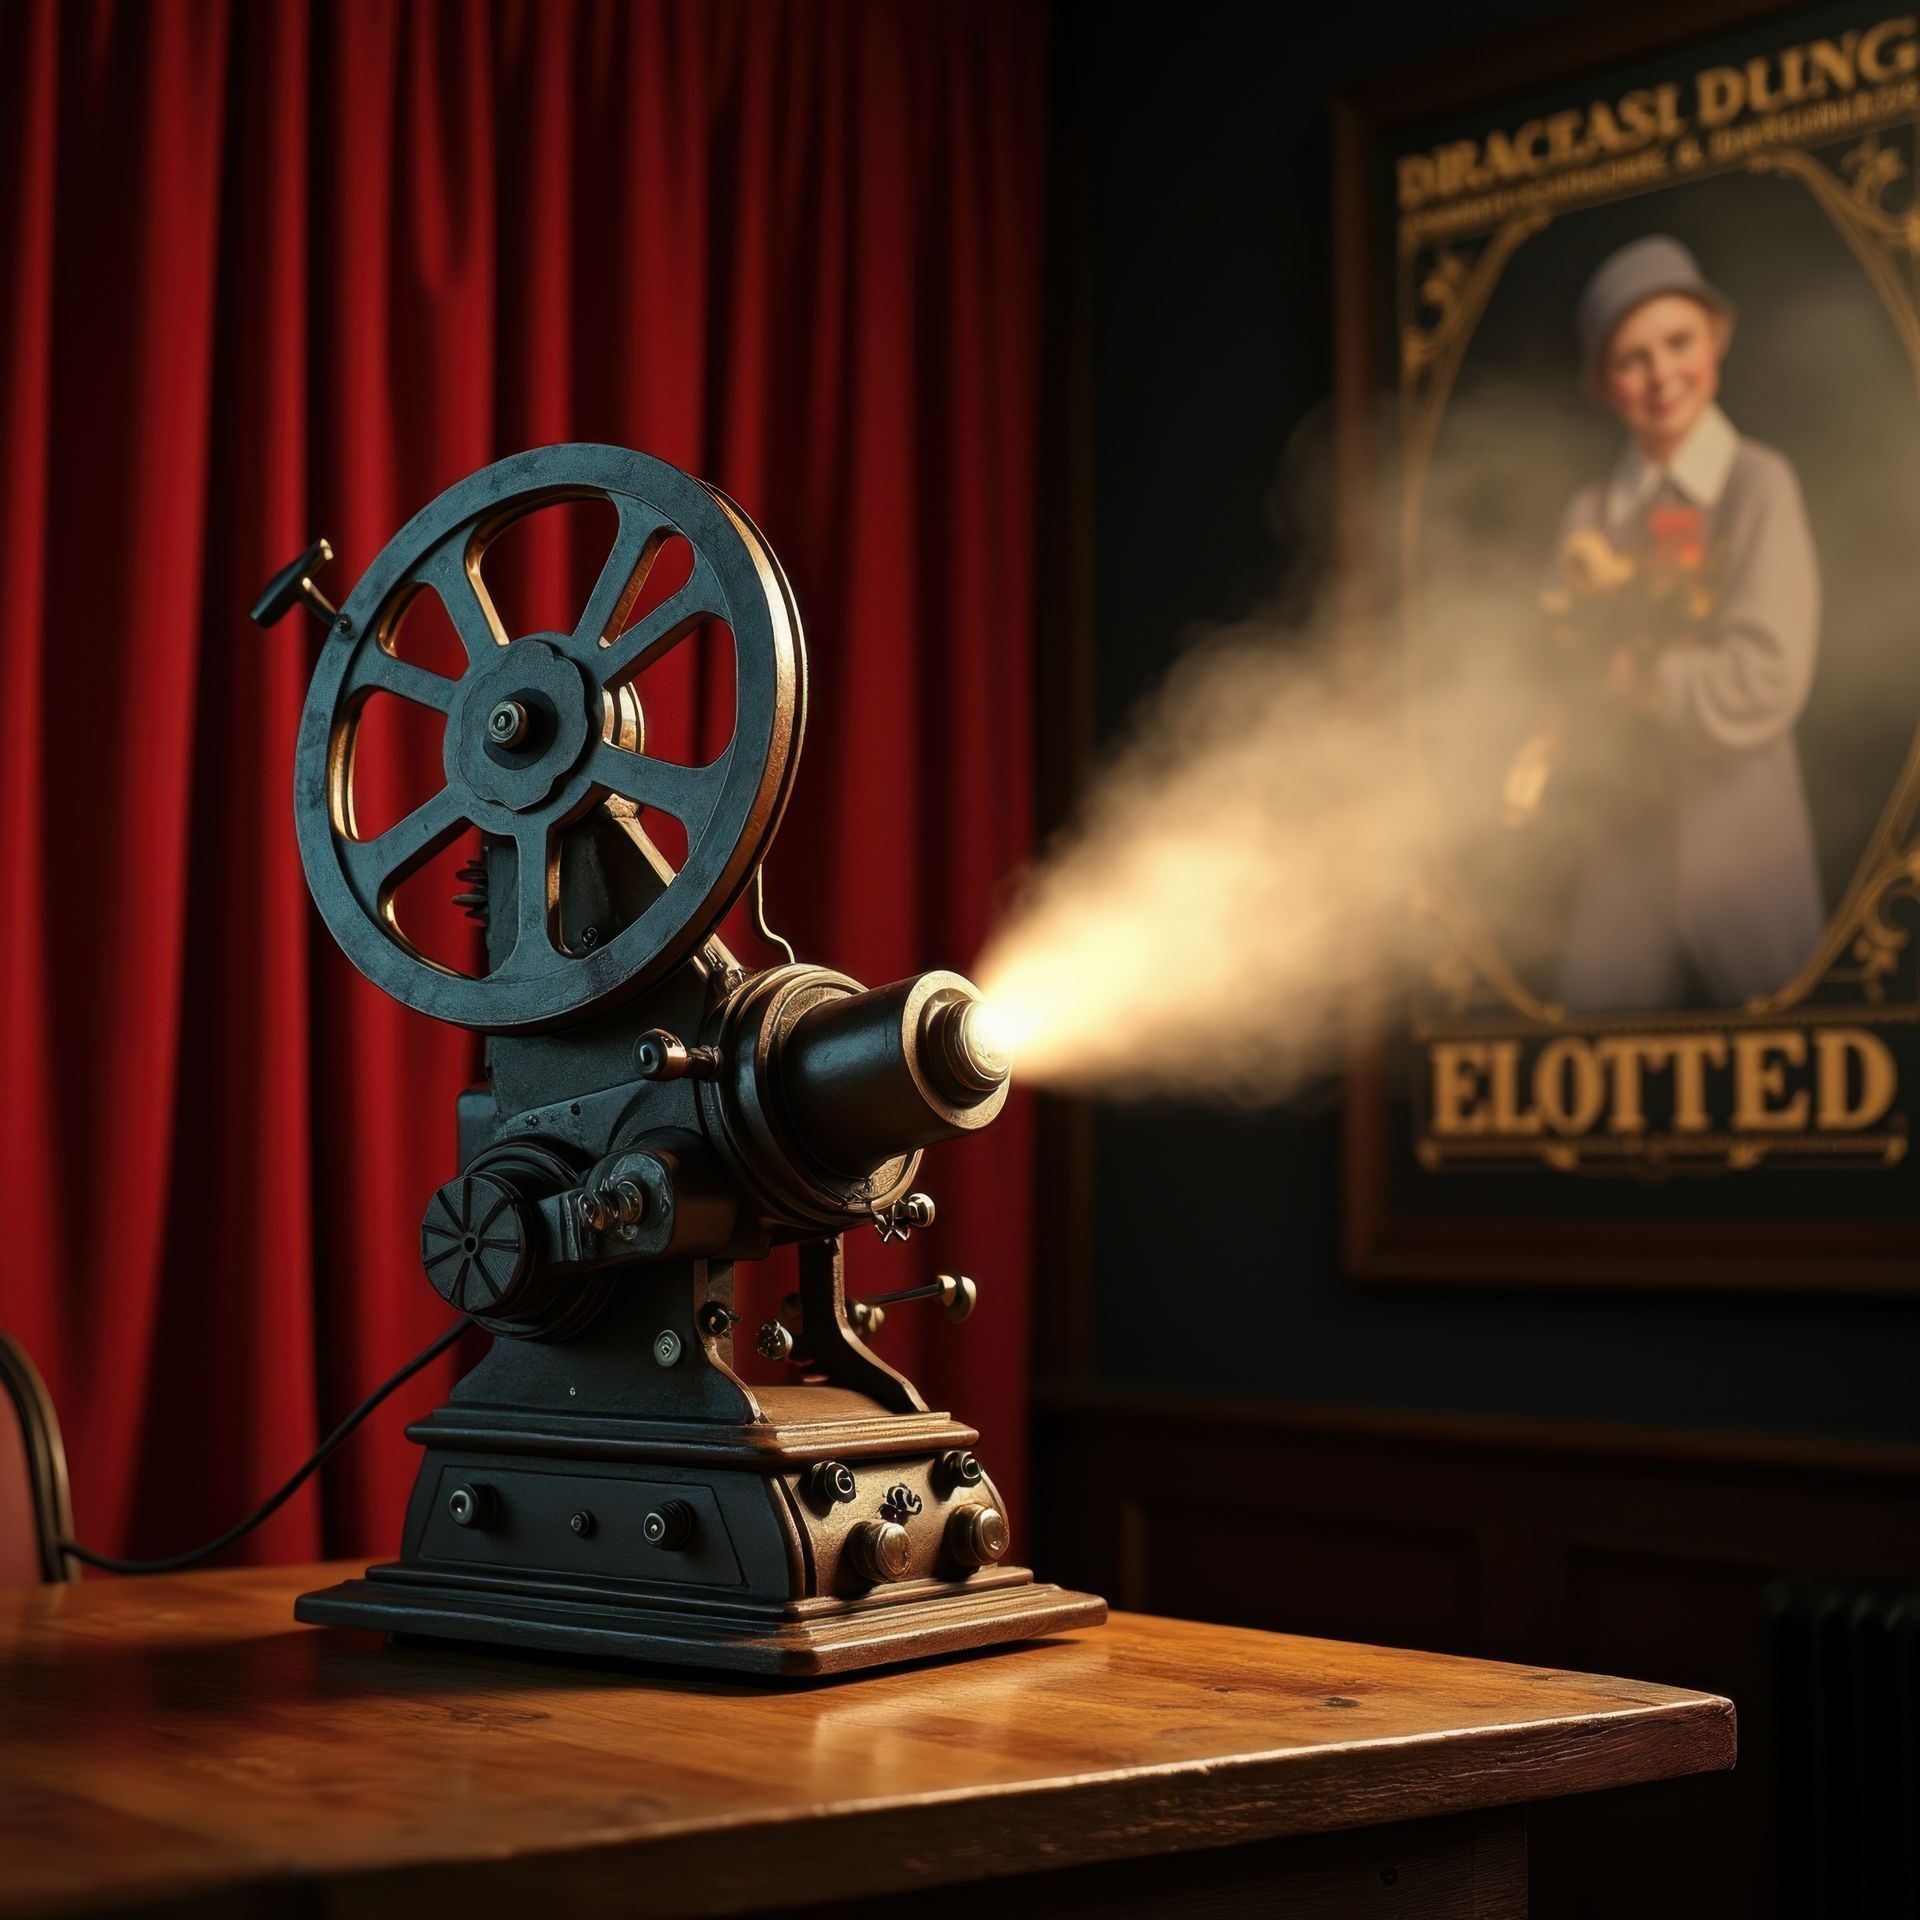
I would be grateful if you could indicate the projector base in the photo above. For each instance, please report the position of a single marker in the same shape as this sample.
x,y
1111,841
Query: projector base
x,y
826,1534
913,1622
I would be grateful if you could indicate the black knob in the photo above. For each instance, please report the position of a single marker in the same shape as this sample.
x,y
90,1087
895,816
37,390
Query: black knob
x,y
294,582
900,1503
583,1523
507,724
829,1482
669,1526
476,1243
473,1506
959,1468
878,1550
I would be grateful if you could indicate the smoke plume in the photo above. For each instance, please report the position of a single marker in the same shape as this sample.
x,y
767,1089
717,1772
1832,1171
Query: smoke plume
x,y
1251,860
1267,853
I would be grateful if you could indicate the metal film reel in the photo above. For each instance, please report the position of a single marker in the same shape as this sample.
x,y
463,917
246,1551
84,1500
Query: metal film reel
x,y
528,747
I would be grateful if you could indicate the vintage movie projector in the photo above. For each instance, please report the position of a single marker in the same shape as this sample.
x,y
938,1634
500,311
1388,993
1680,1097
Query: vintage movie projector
x,y
604,1482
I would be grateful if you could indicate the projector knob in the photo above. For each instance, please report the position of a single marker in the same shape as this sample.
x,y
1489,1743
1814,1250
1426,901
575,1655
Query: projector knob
x,y
960,1468
669,1526
830,1482
476,1243
977,1536
878,1551
472,1506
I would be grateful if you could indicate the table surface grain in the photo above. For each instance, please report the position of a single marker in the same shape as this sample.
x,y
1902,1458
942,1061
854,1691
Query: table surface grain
x,y
184,1737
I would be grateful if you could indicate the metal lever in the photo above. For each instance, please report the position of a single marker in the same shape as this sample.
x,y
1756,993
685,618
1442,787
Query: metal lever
x,y
294,582
955,1292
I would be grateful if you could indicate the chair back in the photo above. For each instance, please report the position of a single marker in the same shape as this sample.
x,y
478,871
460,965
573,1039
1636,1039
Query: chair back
x,y
36,1512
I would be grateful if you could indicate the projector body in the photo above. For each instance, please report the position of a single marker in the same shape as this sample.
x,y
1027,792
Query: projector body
x,y
604,1482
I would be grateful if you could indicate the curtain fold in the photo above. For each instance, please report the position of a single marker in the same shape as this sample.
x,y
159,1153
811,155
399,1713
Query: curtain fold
x,y
276,271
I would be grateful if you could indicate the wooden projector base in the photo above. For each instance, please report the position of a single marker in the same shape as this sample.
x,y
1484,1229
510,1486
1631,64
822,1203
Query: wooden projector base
x,y
699,1543
915,1621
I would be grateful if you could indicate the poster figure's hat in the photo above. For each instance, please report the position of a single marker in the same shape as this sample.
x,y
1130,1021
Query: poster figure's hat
x,y
1630,276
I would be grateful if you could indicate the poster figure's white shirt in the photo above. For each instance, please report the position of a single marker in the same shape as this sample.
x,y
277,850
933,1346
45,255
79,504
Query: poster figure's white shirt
x,y
1720,872
1697,472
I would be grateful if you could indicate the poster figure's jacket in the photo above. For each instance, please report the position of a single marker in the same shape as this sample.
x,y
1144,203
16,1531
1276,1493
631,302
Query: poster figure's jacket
x,y
1714,864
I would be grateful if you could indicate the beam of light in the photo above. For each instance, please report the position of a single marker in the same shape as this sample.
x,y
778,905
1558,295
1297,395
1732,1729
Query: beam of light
x,y
1247,860
1265,860
1262,863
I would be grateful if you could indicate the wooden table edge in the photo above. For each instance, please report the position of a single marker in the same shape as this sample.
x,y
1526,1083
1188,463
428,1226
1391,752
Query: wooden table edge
x,y
891,1846
948,1836
898,1846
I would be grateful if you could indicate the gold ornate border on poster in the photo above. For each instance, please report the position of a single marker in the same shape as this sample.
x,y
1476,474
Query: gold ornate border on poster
x,y
1473,1234
1449,268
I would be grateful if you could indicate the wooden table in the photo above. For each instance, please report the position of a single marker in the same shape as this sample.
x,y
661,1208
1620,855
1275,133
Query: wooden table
x,y
180,1743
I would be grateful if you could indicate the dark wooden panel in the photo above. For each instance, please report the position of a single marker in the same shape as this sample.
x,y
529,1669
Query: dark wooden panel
x,y
1619,1551
1336,1576
1472,1868
1652,1614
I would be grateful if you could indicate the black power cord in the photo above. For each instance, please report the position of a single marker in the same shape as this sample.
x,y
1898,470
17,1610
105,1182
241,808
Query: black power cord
x,y
107,1564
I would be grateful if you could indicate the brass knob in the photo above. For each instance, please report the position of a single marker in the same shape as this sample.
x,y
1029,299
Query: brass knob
x,y
977,1536
878,1550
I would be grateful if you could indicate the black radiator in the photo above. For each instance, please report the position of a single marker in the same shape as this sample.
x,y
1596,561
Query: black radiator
x,y
1846,1665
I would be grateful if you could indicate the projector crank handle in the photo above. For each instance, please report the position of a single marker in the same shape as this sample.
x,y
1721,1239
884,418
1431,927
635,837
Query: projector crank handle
x,y
294,582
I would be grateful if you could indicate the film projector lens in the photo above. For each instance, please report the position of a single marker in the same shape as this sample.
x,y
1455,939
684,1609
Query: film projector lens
x,y
976,1056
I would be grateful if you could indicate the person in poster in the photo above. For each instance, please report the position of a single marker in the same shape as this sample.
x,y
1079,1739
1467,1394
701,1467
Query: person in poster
x,y
1689,584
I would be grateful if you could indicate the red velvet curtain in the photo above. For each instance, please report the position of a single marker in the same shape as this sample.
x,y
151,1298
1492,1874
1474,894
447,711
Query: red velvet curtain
x,y
273,271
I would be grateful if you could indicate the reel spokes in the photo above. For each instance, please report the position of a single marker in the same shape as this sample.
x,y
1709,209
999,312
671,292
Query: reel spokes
x,y
375,868
541,728
452,572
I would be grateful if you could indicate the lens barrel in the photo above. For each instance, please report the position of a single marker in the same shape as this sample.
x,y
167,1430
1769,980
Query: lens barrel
x,y
868,1076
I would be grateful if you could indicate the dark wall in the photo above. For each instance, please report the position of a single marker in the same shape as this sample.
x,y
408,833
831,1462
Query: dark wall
x,y
1207,151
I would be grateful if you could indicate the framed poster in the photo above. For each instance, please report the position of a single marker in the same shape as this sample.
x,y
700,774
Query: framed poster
x,y
1631,353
